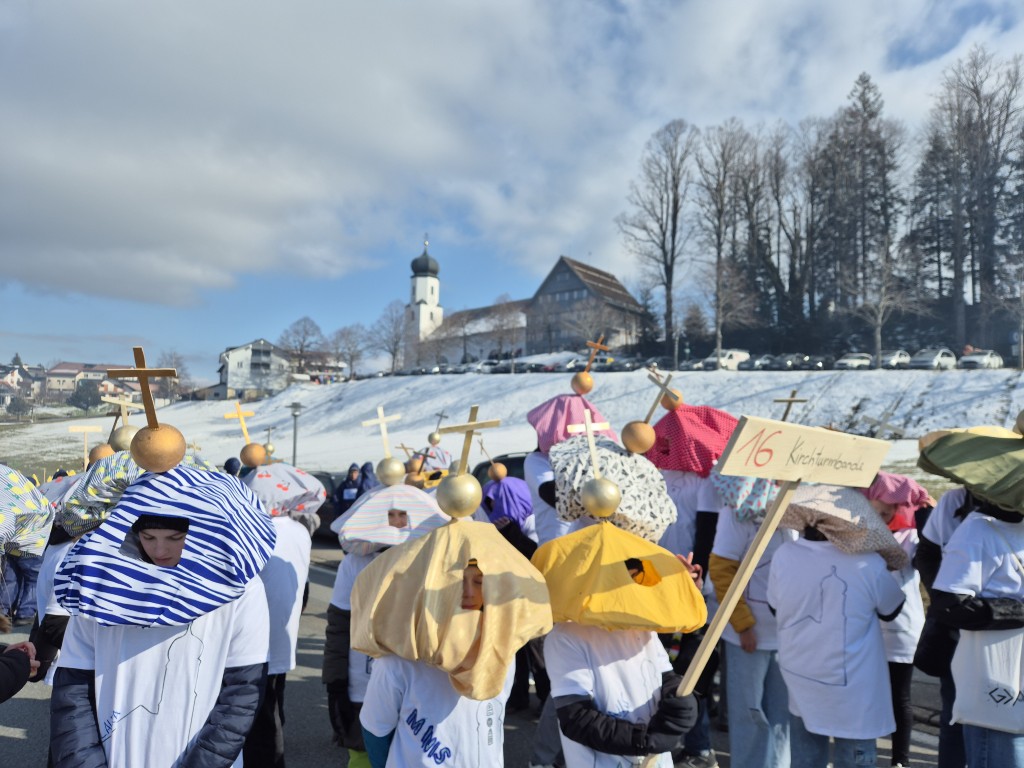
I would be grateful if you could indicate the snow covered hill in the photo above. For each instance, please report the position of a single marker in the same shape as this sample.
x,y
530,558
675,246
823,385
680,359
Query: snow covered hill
x,y
330,435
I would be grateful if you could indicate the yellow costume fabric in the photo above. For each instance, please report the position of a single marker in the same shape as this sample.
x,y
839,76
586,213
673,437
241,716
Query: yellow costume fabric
x,y
407,602
589,582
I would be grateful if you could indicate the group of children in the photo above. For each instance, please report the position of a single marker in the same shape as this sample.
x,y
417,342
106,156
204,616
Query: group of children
x,y
173,598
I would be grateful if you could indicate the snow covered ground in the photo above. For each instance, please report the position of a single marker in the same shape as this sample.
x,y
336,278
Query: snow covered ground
x,y
330,435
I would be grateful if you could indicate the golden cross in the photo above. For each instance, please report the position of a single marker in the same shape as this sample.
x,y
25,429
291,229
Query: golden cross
x,y
240,415
194,446
125,405
594,347
408,451
484,450
882,425
85,430
144,374
469,428
789,402
440,417
663,390
588,428
382,422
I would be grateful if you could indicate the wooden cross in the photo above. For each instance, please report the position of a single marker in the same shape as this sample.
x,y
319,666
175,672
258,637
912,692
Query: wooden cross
x,y
484,450
85,430
595,346
382,422
882,425
126,406
240,415
468,429
408,451
663,391
194,446
789,402
589,427
440,417
144,374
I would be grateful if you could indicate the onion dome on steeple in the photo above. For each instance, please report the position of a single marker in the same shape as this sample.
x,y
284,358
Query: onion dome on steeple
x,y
425,265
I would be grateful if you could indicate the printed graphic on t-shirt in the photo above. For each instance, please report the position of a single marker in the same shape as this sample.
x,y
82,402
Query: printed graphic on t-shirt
x,y
816,639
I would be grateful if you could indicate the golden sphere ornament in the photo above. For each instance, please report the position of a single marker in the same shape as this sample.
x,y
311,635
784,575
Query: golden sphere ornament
x,y
638,436
671,399
121,438
390,471
269,448
416,480
459,495
434,438
497,471
253,455
1019,424
158,448
582,382
101,451
600,497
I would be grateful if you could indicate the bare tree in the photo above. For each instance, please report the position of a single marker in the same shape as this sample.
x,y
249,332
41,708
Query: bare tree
x,y
168,388
654,230
388,331
882,294
348,344
304,341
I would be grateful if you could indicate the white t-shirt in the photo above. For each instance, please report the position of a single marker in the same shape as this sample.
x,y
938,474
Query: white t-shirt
x,y
684,489
537,471
284,579
359,664
977,560
155,686
732,540
46,601
830,639
941,523
902,633
621,671
433,724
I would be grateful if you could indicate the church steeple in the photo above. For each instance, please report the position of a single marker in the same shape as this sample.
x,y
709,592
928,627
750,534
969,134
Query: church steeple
x,y
425,265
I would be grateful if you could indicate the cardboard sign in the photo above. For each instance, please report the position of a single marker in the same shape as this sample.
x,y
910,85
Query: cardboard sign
x,y
782,451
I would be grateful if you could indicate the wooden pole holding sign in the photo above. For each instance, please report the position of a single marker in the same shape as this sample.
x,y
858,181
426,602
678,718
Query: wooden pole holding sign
x,y
776,450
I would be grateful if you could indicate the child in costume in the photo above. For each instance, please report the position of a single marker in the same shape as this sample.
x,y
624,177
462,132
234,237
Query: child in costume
x,y
829,590
443,616
165,652
611,591
385,517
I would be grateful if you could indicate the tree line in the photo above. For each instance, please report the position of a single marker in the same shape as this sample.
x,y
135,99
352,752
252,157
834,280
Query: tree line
x,y
844,231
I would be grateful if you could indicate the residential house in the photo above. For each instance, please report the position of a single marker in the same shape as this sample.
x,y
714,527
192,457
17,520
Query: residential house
x,y
251,371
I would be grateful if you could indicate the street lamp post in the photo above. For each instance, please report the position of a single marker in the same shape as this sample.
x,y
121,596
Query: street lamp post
x,y
296,410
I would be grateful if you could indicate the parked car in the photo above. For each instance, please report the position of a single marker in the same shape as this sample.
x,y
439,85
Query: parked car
x,y
513,463
981,358
818,363
854,361
484,366
787,361
895,358
663,363
327,511
729,360
934,358
758,363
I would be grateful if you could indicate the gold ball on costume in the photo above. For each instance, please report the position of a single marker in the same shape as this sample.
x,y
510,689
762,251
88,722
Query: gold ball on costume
x,y
638,437
582,382
497,471
121,439
269,448
253,455
99,452
434,438
414,465
416,480
390,471
1019,425
459,495
670,403
600,497
158,448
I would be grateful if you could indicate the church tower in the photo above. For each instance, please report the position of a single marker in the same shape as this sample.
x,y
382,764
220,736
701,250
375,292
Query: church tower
x,y
424,313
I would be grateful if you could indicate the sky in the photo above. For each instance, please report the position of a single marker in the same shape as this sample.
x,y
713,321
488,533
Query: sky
x,y
191,176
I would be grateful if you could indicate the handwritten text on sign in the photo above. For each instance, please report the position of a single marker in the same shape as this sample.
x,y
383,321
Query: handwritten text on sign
x,y
783,451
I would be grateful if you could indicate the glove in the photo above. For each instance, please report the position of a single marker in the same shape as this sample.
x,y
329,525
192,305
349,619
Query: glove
x,y
339,707
675,716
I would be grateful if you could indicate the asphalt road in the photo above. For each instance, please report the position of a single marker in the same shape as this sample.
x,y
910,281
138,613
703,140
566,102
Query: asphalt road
x,y
24,720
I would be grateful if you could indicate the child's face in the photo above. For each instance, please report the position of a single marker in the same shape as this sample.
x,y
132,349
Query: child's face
x,y
163,545
398,518
472,588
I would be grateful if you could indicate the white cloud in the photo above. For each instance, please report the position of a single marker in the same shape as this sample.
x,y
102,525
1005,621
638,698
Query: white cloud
x,y
202,142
